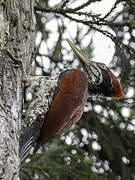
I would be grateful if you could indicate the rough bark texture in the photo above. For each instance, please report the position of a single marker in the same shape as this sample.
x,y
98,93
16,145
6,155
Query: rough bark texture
x,y
16,42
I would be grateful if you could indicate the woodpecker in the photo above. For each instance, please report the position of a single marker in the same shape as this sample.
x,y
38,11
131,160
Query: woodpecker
x,y
66,98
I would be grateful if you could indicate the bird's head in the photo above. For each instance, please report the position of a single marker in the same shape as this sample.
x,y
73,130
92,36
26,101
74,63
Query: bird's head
x,y
101,81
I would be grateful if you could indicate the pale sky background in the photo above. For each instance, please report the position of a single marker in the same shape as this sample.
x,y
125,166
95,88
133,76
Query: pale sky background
x,y
104,48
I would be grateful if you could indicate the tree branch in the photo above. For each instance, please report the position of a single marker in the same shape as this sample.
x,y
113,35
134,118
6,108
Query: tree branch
x,y
96,23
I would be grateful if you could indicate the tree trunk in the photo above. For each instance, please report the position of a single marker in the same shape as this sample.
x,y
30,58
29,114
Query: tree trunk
x,y
16,46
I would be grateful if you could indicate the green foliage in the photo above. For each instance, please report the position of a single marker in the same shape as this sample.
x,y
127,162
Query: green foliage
x,y
111,130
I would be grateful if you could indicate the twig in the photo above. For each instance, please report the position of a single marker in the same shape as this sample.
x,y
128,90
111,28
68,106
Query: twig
x,y
91,24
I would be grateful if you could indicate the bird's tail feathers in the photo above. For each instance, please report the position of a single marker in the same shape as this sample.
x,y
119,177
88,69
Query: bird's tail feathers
x,y
29,139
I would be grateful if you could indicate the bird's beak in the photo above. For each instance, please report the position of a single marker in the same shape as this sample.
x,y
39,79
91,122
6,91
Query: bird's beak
x,y
82,58
88,65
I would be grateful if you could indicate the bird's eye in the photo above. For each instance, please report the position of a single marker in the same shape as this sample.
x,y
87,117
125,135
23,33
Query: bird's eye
x,y
103,66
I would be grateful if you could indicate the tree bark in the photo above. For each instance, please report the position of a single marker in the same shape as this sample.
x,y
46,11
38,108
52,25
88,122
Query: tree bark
x,y
16,46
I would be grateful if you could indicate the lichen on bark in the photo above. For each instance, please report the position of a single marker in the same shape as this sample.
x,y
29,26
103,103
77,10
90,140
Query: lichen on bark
x,y
16,45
